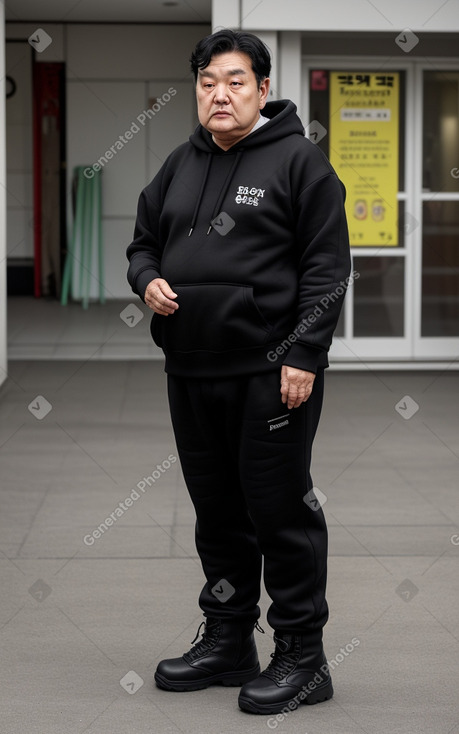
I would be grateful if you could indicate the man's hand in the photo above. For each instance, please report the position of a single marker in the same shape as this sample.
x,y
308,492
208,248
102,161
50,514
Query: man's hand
x,y
296,386
158,296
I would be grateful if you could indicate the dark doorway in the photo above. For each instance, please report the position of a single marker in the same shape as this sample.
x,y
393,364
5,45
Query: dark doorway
x,y
49,176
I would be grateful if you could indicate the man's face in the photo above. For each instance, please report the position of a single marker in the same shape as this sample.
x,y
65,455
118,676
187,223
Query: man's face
x,y
229,100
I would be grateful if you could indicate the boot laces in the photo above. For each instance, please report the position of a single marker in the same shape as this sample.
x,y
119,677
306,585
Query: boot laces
x,y
284,659
206,643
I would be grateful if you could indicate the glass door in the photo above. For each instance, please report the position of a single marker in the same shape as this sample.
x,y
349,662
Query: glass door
x,y
438,262
361,114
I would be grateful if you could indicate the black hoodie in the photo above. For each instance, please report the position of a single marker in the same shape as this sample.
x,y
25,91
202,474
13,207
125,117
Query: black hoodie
x,y
254,241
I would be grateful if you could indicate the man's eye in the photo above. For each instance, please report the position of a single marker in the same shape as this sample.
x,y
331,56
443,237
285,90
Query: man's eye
x,y
237,84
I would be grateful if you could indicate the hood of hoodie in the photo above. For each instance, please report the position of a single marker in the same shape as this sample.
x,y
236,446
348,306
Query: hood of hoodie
x,y
283,121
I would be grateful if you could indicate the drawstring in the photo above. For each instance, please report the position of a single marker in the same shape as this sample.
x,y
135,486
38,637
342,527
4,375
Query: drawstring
x,y
201,193
223,191
225,188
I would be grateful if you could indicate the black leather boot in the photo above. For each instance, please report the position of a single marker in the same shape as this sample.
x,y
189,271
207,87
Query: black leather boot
x,y
226,655
298,673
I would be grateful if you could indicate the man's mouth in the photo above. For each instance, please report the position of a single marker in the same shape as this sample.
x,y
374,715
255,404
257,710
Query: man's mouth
x,y
221,113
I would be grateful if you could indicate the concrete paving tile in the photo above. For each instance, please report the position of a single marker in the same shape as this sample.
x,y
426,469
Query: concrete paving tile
x,y
75,619
89,504
117,541
404,540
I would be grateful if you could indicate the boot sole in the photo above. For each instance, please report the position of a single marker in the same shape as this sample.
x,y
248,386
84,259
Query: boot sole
x,y
237,678
317,696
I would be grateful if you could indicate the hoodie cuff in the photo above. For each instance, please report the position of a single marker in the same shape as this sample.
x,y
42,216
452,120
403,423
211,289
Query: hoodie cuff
x,y
305,357
143,279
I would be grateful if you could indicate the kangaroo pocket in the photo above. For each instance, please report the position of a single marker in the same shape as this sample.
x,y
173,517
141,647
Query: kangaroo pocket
x,y
214,317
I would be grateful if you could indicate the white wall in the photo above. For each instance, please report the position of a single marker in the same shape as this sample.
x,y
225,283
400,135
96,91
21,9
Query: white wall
x,y
55,51
19,152
113,73
19,133
425,16
3,353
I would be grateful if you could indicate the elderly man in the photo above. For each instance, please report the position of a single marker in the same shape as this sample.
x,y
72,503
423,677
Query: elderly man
x,y
241,251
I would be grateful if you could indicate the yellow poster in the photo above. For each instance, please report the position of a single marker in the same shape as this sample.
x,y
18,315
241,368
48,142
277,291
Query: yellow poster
x,y
364,152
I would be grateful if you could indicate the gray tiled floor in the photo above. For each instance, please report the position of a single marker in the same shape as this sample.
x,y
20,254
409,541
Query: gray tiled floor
x,y
43,329
76,618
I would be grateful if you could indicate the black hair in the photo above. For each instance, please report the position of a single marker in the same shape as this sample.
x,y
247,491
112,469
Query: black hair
x,y
227,40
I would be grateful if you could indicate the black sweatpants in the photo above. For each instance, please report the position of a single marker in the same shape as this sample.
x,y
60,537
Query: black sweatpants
x,y
245,459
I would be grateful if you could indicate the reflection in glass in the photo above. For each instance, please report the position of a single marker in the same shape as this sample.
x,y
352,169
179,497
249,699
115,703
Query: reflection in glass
x,y
440,268
441,131
379,296
339,331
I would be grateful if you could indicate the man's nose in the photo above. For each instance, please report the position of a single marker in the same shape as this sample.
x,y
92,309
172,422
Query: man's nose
x,y
220,94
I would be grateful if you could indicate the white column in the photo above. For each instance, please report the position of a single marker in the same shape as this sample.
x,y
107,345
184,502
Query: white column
x,y
3,344
290,66
225,14
270,38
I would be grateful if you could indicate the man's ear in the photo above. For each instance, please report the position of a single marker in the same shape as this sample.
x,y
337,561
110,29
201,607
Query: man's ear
x,y
264,91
